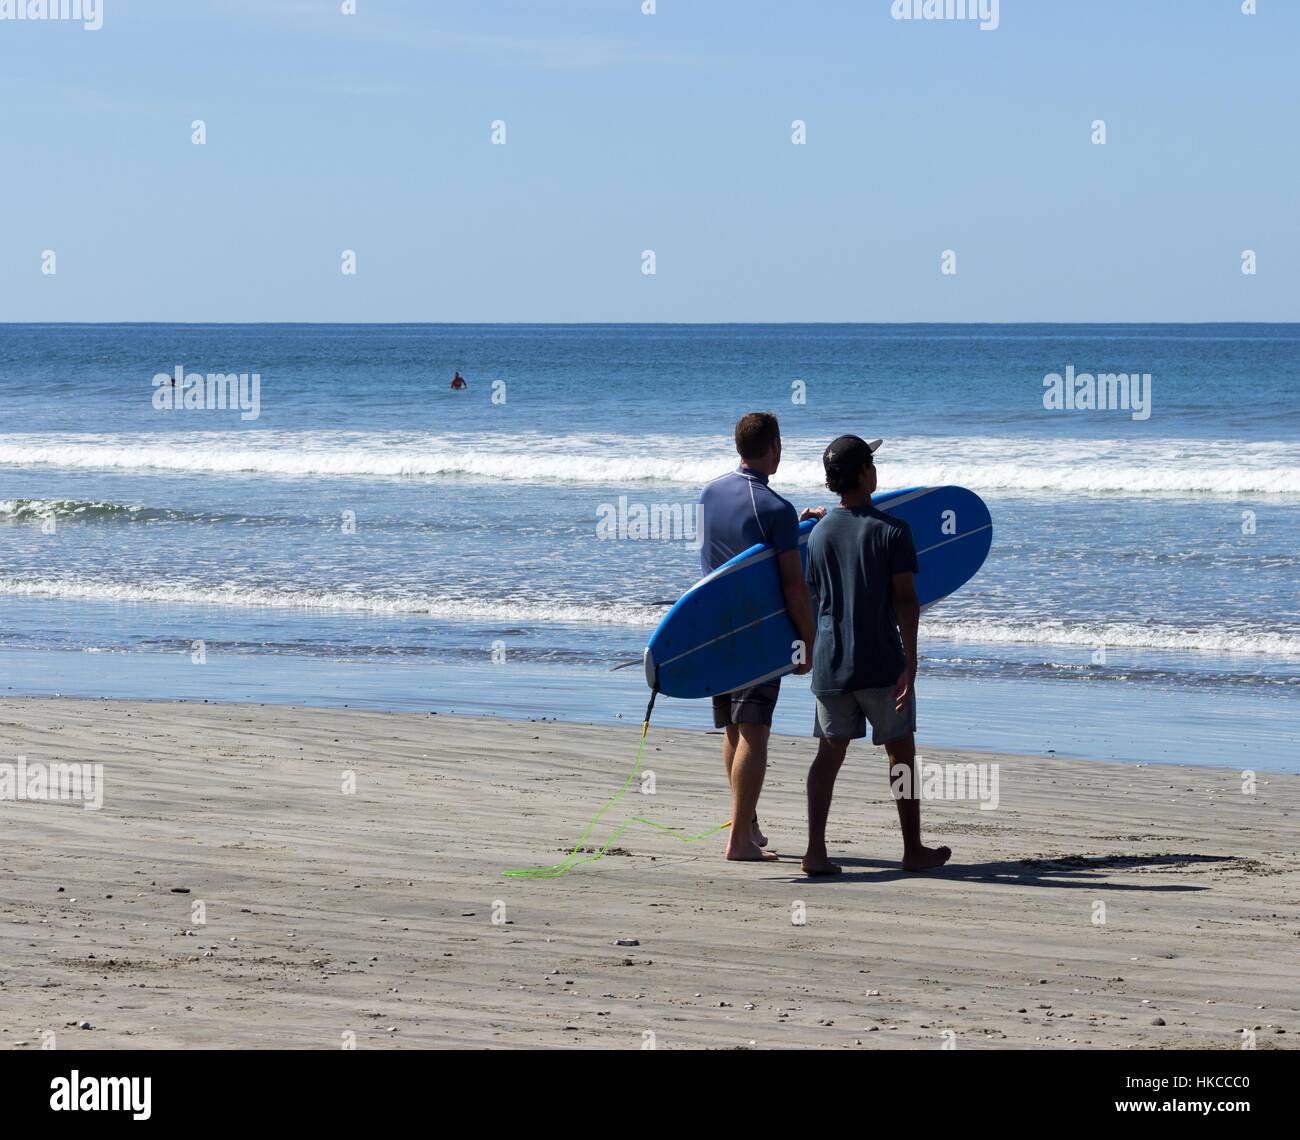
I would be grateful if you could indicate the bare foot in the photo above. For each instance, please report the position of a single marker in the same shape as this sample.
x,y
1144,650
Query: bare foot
x,y
926,858
757,834
748,851
820,865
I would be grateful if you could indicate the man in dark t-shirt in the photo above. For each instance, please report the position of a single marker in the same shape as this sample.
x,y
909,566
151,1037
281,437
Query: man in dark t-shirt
x,y
861,563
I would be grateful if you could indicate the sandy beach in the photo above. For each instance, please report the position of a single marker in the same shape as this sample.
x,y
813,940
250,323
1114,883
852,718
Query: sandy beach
x,y
382,912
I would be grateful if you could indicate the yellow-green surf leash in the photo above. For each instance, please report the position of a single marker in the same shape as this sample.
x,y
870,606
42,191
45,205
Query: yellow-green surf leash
x,y
568,863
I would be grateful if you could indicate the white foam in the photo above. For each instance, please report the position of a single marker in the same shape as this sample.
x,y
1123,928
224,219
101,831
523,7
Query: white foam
x,y
1220,639
989,464
1128,635
25,509
513,611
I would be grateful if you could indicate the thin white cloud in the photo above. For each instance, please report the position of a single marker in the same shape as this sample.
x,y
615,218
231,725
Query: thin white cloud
x,y
577,51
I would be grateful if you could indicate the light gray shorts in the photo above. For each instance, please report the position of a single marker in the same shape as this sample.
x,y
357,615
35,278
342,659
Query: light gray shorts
x,y
845,715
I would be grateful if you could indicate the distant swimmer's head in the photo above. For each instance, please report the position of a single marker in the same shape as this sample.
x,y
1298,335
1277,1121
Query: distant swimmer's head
x,y
849,465
758,442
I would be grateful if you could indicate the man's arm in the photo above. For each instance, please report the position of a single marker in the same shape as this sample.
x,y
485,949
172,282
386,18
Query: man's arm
x,y
907,609
797,602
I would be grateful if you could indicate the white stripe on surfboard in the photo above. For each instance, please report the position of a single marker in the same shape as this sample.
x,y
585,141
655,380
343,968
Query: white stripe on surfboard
x,y
768,676
723,571
954,538
723,637
907,498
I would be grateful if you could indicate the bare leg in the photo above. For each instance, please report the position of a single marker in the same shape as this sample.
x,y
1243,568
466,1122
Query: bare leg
x,y
748,767
916,856
729,742
821,787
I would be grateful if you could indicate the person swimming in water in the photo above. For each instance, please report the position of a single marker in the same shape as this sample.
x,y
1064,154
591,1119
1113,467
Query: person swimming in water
x,y
458,382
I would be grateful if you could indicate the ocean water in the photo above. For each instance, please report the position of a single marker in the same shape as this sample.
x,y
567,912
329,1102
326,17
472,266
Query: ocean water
x,y
372,537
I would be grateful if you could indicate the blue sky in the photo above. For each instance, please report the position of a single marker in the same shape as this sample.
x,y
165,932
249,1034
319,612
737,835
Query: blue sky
x,y
670,132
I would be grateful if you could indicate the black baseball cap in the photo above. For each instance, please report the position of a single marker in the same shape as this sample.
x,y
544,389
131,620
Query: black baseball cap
x,y
849,452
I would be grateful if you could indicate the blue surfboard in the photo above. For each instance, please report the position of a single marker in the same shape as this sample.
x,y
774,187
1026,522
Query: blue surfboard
x,y
730,629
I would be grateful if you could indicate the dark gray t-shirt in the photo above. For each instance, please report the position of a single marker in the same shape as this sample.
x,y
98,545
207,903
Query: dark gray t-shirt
x,y
853,554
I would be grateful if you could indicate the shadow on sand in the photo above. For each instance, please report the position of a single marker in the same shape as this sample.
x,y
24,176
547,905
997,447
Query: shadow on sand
x,y
1066,871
